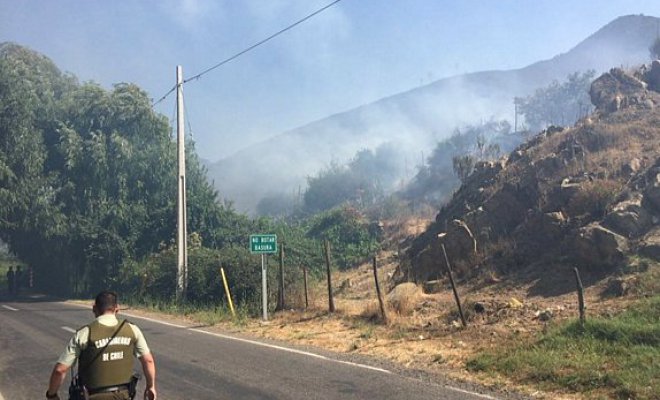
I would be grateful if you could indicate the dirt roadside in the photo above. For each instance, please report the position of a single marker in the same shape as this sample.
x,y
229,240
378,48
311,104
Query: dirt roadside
x,y
423,331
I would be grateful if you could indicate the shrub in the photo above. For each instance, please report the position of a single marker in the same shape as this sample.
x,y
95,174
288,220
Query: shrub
x,y
593,198
352,240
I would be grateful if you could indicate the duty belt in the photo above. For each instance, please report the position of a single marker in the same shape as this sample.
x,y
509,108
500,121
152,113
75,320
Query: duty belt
x,y
108,389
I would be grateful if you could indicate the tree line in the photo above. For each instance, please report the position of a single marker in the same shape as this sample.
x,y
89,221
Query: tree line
x,y
88,192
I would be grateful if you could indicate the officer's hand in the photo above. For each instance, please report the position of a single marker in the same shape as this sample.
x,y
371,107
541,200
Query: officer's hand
x,y
150,394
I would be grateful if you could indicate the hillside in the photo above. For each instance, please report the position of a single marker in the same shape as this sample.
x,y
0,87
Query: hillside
x,y
587,196
416,119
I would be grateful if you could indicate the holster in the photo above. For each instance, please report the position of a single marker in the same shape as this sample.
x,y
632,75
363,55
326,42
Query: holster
x,y
132,385
77,391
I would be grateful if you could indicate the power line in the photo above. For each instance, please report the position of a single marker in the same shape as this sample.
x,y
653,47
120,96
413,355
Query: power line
x,y
274,35
155,103
240,53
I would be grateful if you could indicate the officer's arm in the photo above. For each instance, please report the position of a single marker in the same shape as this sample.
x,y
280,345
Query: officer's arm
x,y
57,377
149,369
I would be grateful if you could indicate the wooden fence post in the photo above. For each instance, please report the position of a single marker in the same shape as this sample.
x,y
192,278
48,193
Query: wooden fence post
x,y
380,296
280,291
331,302
453,285
305,283
580,293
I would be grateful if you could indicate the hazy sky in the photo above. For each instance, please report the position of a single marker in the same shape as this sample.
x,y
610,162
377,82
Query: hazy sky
x,y
352,54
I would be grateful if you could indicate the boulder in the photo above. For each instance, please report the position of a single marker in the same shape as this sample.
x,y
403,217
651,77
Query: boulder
x,y
632,167
540,232
404,298
548,166
618,286
628,218
652,76
507,209
427,264
652,192
650,245
615,90
569,188
434,286
459,237
595,245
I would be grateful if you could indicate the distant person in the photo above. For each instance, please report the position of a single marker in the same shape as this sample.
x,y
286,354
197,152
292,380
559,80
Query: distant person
x,y
11,280
104,350
18,279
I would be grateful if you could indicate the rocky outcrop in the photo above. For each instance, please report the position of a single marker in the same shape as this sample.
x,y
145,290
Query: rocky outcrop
x,y
576,195
540,231
596,246
628,218
616,90
652,76
652,191
650,245
458,240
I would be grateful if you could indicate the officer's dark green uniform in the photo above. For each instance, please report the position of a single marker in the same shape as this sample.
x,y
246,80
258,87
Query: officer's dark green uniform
x,y
113,367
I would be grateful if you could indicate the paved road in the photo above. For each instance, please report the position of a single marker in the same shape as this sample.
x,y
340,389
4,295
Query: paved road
x,y
196,364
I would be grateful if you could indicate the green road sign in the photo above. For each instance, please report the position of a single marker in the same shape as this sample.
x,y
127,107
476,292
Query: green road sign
x,y
263,244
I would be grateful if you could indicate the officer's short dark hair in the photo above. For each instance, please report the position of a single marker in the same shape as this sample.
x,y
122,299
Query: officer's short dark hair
x,y
105,301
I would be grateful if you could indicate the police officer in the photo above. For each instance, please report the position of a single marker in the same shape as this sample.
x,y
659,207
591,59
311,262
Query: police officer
x,y
107,375
11,280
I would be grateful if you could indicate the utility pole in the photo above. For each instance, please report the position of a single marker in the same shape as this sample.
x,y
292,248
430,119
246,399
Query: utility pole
x,y
181,245
515,115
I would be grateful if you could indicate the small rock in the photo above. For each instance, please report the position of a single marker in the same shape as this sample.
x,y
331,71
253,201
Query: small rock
x,y
515,303
545,315
430,287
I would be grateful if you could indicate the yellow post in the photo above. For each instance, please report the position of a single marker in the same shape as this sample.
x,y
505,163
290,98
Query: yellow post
x,y
224,281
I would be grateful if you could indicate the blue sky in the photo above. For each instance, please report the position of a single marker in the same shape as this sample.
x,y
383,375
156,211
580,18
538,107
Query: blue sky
x,y
354,53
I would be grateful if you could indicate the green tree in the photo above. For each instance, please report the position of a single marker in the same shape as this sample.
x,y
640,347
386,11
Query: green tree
x,y
88,176
558,104
654,50
463,166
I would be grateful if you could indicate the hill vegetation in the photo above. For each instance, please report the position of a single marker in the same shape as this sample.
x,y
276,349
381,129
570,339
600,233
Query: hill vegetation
x,y
88,199
414,121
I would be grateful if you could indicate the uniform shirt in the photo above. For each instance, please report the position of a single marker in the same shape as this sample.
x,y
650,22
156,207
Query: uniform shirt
x,y
79,341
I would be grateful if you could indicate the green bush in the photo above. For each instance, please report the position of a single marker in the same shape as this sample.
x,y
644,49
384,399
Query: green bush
x,y
353,239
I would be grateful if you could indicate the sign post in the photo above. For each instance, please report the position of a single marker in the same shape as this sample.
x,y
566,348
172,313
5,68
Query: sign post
x,y
263,244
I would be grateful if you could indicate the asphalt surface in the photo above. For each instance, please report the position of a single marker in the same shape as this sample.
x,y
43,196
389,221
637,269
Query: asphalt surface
x,y
193,363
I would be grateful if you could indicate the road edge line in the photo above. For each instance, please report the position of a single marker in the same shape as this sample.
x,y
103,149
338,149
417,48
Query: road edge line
x,y
290,350
484,396
287,349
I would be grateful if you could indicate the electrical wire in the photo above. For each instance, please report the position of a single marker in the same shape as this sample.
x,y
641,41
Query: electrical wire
x,y
250,48
164,96
274,35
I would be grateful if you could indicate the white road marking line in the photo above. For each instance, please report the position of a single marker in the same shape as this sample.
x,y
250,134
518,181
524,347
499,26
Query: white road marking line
x,y
10,309
485,396
290,350
66,328
154,320
305,353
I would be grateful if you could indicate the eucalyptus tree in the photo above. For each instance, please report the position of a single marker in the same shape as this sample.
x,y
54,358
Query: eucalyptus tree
x,y
87,176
